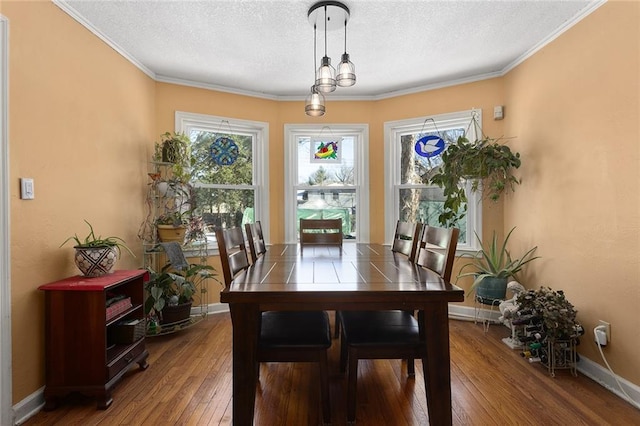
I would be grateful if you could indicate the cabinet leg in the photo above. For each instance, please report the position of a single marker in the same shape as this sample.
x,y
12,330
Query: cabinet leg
x,y
143,361
50,403
104,401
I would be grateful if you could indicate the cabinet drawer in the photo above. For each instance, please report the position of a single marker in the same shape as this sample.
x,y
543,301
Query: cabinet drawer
x,y
125,359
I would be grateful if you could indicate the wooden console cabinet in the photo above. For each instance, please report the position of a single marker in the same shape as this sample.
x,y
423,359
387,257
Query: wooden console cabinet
x,y
82,353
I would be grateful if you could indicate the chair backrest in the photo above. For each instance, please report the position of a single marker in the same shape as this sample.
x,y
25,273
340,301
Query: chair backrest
x,y
320,231
406,239
233,252
255,240
437,249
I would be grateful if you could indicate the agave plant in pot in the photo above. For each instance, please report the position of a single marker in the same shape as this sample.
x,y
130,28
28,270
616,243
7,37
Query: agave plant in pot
x,y
96,255
493,266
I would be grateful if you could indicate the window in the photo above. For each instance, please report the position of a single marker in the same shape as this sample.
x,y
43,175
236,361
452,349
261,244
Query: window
x,y
409,197
228,169
325,178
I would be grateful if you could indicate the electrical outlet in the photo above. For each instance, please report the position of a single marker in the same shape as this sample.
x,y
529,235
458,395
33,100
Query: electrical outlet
x,y
607,329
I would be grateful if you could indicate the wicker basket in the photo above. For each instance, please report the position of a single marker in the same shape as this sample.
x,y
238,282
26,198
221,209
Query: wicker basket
x,y
127,331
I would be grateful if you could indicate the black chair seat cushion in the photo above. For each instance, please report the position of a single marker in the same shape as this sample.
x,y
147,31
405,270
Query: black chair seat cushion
x,y
302,329
374,328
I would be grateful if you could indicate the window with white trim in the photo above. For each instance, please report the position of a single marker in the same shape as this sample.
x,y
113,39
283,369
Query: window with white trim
x,y
326,177
228,169
409,196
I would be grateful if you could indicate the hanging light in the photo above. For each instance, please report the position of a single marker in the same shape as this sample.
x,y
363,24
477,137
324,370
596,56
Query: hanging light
x,y
346,70
314,105
326,74
334,14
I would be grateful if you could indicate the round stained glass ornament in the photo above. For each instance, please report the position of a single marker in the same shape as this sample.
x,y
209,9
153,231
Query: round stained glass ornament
x,y
224,151
429,146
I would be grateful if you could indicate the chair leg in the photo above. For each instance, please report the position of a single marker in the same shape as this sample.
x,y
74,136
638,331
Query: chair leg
x,y
336,334
343,355
352,380
324,389
411,367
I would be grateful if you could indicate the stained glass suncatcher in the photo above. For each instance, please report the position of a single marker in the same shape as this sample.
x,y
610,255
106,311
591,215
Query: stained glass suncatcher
x,y
429,146
224,151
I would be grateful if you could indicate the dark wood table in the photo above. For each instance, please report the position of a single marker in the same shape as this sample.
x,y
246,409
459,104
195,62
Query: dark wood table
x,y
356,277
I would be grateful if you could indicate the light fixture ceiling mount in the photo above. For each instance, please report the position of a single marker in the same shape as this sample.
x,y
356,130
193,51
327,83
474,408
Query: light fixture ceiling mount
x,y
329,15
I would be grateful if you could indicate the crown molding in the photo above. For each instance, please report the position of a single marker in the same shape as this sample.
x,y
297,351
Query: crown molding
x,y
80,19
566,26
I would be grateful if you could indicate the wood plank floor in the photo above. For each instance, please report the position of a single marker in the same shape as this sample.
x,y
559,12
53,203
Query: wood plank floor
x,y
188,382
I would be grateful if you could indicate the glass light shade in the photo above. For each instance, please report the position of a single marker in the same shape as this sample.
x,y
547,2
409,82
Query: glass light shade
x,y
314,105
346,72
326,76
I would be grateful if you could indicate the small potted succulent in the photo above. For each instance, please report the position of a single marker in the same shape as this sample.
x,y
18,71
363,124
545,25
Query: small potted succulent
x,y
96,255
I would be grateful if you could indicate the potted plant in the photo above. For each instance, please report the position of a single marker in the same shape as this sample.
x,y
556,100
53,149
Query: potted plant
x,y
487,163
172,226
96,255
173,148
171,292
552,310
493,266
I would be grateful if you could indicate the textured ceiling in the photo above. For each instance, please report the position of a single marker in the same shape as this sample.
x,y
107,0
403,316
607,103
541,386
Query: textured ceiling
x,y
265,48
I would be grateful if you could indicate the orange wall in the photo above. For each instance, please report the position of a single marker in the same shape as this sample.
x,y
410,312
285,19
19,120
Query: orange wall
x,y
80,119
77,107
574,106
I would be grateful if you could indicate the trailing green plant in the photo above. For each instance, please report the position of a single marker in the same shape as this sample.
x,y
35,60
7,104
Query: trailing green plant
x,y
171,287
93,241
495,260
487,163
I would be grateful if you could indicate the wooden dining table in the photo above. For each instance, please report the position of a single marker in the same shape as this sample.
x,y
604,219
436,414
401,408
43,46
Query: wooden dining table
x,y
355,276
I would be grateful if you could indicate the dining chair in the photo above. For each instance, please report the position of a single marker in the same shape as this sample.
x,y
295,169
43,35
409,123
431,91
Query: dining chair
x,y
393,334
285,336
406,238
255,240
405,241
320,232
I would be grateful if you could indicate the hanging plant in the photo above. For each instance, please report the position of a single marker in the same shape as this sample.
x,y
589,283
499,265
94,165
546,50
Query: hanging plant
x,y
173,148
487,163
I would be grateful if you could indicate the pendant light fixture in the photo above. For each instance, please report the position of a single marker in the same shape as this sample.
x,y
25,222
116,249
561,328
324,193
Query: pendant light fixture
x,y
332,15
346,70
326,74
314,105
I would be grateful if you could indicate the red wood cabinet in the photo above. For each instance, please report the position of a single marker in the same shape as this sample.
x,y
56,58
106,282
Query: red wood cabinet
x,y
82,353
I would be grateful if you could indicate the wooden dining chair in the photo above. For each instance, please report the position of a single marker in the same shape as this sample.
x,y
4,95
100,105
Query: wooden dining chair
x,y
255,240
405,241
406,238
320,232
285,336
392,334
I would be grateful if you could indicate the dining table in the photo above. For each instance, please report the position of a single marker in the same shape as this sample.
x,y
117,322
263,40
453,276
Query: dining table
x,y
356,276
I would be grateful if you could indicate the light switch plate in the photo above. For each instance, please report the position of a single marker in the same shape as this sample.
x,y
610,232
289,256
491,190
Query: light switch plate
x,y
26,189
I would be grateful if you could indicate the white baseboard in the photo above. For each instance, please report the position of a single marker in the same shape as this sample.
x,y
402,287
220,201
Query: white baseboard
x,y
28,407
32,404
602,376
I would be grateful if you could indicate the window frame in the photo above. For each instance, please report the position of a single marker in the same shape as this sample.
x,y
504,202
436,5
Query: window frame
x,y
361,178
186,121
393,130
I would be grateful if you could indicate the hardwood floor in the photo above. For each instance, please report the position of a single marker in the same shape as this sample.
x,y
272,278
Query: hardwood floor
x,y
188,382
